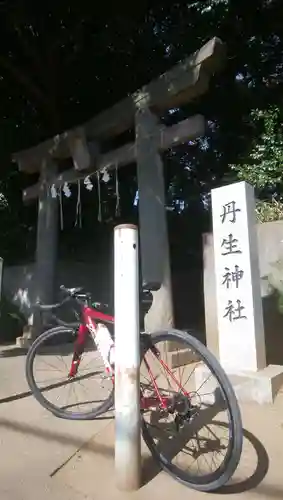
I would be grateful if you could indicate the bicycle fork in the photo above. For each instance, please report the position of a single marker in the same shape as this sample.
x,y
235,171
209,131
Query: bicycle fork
x,y
79,347
78,350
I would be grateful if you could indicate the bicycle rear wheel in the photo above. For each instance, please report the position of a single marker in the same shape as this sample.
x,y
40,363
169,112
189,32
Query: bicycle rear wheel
x,y
182,436
84,396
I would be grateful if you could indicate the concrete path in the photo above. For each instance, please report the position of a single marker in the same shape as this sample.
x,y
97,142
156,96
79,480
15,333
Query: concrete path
x,y
43,457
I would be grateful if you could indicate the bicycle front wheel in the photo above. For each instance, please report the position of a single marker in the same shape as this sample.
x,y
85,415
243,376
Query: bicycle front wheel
x,y
83,396
194,430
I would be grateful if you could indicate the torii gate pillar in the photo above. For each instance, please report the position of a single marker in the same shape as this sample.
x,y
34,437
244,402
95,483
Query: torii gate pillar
x,y
155,257
46,242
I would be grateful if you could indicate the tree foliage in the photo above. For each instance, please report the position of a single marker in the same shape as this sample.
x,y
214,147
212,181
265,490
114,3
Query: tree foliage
x,y
62,62
263,166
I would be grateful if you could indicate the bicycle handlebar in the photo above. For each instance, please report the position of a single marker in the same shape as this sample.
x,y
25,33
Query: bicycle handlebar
x,y
71,294
74,293
49,307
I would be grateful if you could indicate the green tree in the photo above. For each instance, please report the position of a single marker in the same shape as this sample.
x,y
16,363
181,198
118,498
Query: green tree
x,y
262,167
60,63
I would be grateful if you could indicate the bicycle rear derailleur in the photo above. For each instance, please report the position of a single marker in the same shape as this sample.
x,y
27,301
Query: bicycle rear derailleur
x,y
184,410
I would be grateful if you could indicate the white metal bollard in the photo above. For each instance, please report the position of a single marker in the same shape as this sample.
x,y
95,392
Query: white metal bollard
x,y
127,358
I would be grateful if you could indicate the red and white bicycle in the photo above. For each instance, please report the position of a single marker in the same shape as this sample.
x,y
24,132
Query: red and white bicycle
x,y
179,418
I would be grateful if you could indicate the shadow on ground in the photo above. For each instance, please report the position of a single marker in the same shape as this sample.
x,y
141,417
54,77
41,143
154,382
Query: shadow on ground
x,y
46,435
261,469
150,468
22,395
9,352
26,394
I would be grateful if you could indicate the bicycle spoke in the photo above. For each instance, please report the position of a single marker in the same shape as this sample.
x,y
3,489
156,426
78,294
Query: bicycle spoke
x,y
75,395
189,442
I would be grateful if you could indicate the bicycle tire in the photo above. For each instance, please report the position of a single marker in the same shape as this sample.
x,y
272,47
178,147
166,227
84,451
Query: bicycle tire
x,y
232,460
59,412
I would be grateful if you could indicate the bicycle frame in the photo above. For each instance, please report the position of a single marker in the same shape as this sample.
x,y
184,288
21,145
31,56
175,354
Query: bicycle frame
x,y
90,318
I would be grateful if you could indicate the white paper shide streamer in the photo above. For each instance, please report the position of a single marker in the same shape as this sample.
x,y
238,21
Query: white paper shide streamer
x,y
105,175
66,190
53,191
88,184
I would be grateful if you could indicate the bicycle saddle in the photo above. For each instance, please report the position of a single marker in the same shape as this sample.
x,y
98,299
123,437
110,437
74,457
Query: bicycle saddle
x,y
71,291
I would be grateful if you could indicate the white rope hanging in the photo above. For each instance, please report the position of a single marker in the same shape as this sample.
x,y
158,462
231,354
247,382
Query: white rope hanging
x,y
117,208
78,221
99,218
61,209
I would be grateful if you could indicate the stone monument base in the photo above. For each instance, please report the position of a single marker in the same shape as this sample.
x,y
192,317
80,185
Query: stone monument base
x,y
258,387
26,339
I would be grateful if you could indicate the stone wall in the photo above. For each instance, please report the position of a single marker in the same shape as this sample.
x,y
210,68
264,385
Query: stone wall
x,y
95,278
193,308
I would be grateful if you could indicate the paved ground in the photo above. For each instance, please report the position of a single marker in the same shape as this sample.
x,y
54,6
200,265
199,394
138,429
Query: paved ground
x,y
43,457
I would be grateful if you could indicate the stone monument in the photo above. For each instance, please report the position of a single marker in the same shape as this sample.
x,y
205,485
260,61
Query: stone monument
x,y
239,305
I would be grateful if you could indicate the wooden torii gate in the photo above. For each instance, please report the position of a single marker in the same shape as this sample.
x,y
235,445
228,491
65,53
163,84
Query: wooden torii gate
x,y
181,84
